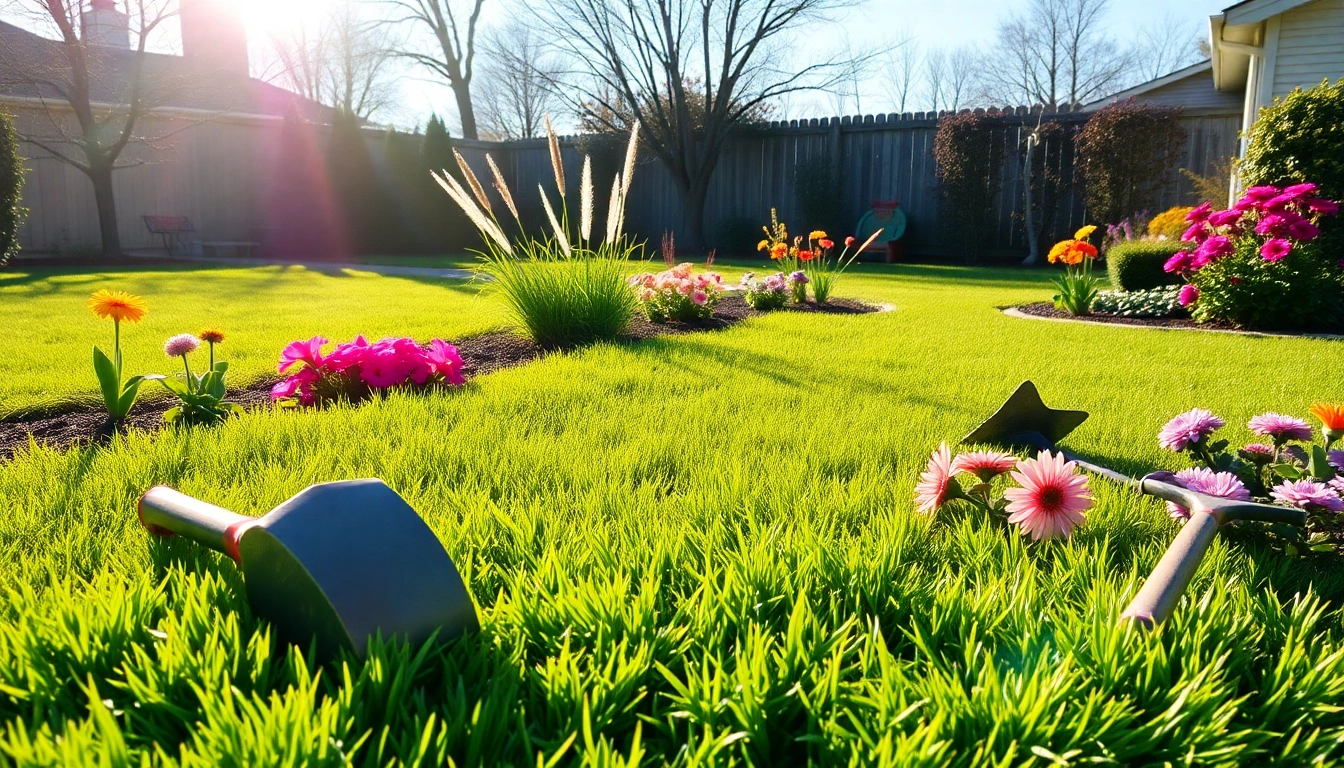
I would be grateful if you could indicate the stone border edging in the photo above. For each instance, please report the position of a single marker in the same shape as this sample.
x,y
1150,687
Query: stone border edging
x,y
1015,312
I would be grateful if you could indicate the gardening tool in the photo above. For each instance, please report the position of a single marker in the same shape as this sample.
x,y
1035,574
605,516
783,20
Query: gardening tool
x,y
1024,421
338,563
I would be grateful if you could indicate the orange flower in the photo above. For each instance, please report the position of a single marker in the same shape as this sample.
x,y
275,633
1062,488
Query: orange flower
x,y
1057,253
827,244
806,255
212,335
778,251
1331,416
117,305
1085,248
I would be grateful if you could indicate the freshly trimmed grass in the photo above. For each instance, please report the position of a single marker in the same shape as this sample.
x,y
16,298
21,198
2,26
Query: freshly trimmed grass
x,y
699,550
45,350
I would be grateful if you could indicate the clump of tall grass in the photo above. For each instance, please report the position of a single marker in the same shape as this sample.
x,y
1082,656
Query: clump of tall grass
x,y
568,287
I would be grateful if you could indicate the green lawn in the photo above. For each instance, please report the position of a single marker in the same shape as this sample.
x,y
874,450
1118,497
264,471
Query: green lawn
x,y
693,551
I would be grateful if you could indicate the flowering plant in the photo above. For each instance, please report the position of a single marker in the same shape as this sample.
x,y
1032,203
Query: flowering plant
x,y
1049,498
1077,287
767,293
826,273
356,369
1285,466
1256,263
789,255
678,293
118,396
201,398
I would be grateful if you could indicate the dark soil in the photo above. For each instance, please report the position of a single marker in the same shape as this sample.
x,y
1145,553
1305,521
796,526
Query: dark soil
x,y
1045,309
480,355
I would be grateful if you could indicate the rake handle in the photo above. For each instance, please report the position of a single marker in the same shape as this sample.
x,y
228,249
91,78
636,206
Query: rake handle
x,y
1158,597
166,512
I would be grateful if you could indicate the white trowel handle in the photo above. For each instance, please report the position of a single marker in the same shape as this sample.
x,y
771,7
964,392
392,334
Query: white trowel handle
x,y
165,512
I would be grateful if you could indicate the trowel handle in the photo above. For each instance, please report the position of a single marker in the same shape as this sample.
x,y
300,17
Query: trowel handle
x,y
165,512
1157,598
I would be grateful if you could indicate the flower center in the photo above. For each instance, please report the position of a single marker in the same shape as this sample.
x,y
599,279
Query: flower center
x,y
1051,498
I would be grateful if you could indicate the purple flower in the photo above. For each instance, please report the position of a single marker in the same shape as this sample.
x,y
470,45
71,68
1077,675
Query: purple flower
x,y
1224,218
1309,495
1190,427
1179,262
1275,249
1337,485
1189,295
799,278
1322,206
1199,213
1337,460
1280,427
181,345
1224,485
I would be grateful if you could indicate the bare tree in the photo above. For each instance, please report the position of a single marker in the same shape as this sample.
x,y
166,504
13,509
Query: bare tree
x,y
848,89
1056,53
105,83
900,70
453,25
515,92
340,59
1166,45
963,68
689,71
935,79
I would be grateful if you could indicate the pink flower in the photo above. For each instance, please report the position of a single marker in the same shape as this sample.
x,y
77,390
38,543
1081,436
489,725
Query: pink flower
x,y
1189,294
1337,485
1224,218
647,294
1199,213
1322,206
1052,499
1190,427
699,298
1304,231
1275,249
1280,427
1258,453
985,465
301,382
1298,191
382,368
682,270
1260,194
1196,233
181,345
308,352
1179,262
1224,485
1216,247
346,356
935,487
1309,495
1273,224
446,361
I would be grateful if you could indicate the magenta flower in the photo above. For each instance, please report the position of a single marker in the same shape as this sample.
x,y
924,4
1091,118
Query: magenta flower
x,y
1053,497
936,487
1196,233
446,361
1260,194
1224,485
346,356
1303,230
1280,427
1274,224
1299,191
1279,203
1224,218
1191,427
699,298
1309,495
1199,213
1322,206
181,345
383,368
985,465
1189,294
1179,262
1216,247
307,352
1275,249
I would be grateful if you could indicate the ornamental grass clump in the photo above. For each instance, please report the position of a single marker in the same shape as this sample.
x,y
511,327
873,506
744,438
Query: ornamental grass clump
x,y
1284,466
568,287
118,396
678,294
200,398
1048,500
1258,264
357,370
1077,286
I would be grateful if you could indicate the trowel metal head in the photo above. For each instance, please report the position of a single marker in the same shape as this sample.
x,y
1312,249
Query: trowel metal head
x,y
1025,421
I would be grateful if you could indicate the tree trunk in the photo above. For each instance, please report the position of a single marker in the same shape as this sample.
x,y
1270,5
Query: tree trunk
x,y
1028,212
101,176
463,93
693,216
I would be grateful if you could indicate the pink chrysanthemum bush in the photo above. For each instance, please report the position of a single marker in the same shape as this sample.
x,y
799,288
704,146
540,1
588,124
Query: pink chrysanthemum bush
x,y
1260,263
678,294
1283,465
1047,498
356,370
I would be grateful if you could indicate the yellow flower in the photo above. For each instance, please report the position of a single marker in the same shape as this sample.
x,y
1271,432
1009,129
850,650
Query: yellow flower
x,y
817,234
1085,232
117,305
761,246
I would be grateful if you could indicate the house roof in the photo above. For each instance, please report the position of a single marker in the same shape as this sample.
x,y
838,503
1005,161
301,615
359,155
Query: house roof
x,y
1155,83
27,60
1236,34
1256,11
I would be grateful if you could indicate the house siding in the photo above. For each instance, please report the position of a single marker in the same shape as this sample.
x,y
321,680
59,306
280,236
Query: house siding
x,y
1310,46
1193,92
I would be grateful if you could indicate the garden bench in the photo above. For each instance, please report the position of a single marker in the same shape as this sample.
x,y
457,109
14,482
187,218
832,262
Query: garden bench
x,y
170,228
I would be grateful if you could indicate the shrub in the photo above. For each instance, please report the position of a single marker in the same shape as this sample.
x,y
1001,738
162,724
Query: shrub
x,y
1299,139
567,288
678,294
12,212
1170,223
767,293
1137,265
1261,264
1124,153
969,160
1154,302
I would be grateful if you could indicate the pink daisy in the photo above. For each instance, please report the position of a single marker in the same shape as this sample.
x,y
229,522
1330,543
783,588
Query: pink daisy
x,y
1280,427
936,486
985,465
1320,205
1337,485
1052,498
1309,495
1193,426
1179,262
1224,485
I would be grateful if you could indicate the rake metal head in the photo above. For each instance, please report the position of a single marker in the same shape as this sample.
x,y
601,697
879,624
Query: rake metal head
x,y
1025,421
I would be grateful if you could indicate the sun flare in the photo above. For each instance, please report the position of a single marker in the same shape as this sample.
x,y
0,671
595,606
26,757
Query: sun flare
x,y
280,18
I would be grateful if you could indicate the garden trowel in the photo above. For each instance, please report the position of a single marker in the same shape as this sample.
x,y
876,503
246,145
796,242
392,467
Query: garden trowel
x,y
337,564
1024,421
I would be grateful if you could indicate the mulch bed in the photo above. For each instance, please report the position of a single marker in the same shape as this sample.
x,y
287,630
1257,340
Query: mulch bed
x,y
481,354
1046,309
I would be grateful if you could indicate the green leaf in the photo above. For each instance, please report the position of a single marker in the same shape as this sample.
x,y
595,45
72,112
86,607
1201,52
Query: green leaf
x,y
1319,465
1286,471
128,395
172,414
107,381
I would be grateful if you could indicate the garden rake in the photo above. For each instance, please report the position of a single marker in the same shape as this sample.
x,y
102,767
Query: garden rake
x,y
337,564
1024,421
